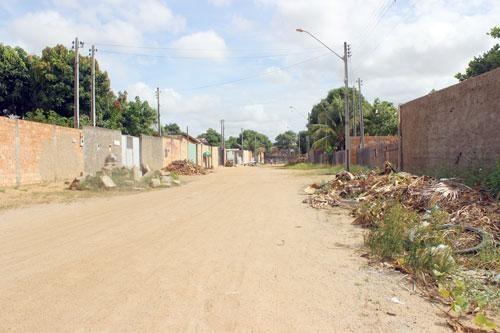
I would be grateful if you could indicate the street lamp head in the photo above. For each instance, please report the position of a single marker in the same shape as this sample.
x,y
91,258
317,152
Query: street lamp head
x,y
299,30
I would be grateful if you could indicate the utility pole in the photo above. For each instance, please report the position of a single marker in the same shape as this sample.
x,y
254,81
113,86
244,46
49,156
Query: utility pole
x,y
347,162
158,103
354,109
223,143
92,82
76,110
242,154
361,118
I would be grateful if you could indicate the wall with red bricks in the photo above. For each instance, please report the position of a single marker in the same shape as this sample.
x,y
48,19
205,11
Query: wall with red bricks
x,y
7,151
454,128
32,152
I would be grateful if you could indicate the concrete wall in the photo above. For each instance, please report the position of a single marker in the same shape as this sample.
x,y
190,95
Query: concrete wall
x,y
152,152
454,128
32,152
98,144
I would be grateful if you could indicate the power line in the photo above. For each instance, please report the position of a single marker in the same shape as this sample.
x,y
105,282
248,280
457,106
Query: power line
x,y
412,6
257,75
256,56
202,49
372,27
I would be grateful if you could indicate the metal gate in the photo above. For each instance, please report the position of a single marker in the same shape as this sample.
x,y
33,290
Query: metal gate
x,y
192,154
130,151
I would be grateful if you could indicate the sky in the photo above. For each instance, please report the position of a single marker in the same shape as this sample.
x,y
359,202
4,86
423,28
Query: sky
x,y
243,61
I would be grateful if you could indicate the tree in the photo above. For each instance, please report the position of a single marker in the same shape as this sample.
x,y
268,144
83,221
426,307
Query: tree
x,y
212,136
138,116
172,129
252,140
15,81
286,140
382,119
232,143
304,141
484,63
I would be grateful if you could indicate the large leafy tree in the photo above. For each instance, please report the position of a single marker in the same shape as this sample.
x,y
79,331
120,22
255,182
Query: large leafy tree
x,y
41,88
326,122
138,116
172,128
16,81
212,136
286,140
252,140
381,119
486,62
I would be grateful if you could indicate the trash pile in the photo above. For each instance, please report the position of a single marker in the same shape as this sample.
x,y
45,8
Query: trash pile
x,y
185,167
465,205
112,177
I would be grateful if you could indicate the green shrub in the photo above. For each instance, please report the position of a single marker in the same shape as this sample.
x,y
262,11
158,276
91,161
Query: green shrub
x,y
388,238
493,180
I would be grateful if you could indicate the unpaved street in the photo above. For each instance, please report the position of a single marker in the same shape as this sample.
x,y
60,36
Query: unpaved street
x,y
232,251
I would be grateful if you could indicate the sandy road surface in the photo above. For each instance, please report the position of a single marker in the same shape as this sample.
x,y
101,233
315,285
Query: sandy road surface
x,y
232,251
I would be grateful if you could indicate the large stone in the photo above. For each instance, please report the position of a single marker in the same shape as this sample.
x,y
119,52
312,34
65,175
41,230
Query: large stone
x,y
76,184
166,180
107,182
155,182
145,168
136,174
164,172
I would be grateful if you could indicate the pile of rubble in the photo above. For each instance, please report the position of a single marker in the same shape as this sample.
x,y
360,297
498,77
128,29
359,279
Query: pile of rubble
x,y
185,167
465,205
112,177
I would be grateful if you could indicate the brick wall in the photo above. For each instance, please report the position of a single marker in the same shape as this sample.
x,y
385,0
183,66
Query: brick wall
x,y
454,128
32,152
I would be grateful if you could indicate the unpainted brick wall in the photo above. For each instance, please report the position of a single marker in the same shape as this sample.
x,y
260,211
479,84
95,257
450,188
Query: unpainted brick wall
x,y
453,129
32,152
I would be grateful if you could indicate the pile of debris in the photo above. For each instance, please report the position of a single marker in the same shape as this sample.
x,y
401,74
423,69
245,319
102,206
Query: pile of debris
x,y
465,205
185,167
112,177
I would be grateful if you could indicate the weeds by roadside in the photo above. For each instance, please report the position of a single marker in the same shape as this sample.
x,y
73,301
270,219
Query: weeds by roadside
x,y
435,230
325,169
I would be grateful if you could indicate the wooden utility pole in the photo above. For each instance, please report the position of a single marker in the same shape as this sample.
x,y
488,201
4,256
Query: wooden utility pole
x,y
158,105
76,109
92,82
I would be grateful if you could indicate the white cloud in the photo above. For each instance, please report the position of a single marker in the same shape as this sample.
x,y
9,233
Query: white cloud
x,y
241,24
203,44
107,21
220,2
153,15
277,75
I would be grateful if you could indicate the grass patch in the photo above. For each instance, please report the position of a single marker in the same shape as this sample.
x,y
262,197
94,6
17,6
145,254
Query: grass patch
x,y
326,169
475,176
387,239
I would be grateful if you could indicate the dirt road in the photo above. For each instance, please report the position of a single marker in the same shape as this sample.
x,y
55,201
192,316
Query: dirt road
x,y
231,251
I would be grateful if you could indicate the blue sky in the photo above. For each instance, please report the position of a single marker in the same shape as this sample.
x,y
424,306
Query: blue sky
x,y
242,61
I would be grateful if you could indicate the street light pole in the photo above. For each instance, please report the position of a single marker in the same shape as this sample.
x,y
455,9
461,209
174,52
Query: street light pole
x,y
344,58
